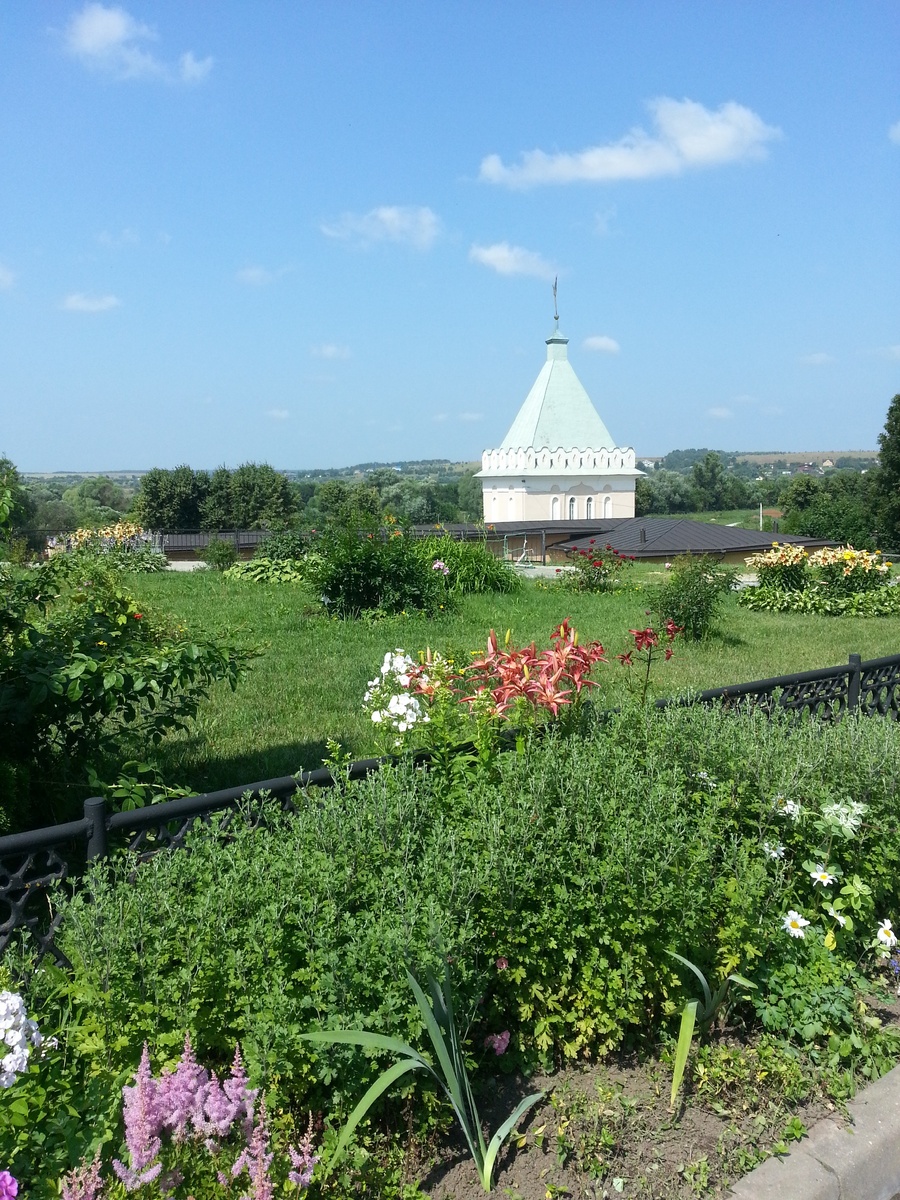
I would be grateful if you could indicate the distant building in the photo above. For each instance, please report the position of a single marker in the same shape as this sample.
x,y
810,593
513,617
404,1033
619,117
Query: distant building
x,y
558,462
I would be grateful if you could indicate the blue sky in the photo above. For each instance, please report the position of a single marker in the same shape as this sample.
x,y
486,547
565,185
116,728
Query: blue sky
x,y
319,234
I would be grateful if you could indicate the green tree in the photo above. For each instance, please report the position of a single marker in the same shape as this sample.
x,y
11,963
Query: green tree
x,y
216,511
16,504
171,500
470,497
889,476
710,482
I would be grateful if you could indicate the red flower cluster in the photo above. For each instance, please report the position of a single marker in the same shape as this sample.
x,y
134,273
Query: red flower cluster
x,y
545,679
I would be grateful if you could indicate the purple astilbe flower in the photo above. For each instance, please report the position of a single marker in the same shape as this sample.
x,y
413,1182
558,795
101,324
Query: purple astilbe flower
x,y
9,1186
143,1124
181,1094
84,1183
238,1093
302,1159
256,1160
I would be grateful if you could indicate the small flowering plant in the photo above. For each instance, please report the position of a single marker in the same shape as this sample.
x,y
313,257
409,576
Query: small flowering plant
x,y
436,704
187,1126
18,1037
649,646
784,567
845,571
592,569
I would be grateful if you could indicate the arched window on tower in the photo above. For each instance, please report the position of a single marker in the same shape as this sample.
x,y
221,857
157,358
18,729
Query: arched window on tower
x,y
607,506
589,508
554,508
572,507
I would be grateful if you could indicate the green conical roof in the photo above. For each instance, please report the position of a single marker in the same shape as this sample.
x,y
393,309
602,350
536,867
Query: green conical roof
x,y
558,411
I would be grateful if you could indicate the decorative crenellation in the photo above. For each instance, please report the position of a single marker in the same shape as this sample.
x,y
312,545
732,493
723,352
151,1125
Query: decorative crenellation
x,y
526,457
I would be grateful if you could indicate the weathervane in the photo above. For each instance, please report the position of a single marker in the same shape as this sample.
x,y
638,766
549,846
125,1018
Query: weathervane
x,y
555,306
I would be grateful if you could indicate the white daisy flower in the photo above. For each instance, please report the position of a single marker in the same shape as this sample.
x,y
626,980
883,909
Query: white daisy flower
x,y
820,875
794,924
886,935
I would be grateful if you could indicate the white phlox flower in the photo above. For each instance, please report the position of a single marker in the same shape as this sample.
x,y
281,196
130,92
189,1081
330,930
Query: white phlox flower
x,y
795,924
832,912
19,1034
886,935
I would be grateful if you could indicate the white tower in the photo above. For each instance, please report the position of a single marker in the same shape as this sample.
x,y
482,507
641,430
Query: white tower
x,y
558,462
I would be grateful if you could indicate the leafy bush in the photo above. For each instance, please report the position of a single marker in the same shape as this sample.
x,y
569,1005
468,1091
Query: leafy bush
x,y
693,594
881,602
121,547
290,546
471,567
378,572
267,570
219,554
846,572
557,883
784,568
82,666
594,570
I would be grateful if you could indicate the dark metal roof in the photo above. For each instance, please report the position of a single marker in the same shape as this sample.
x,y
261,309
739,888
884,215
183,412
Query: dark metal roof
x,y
666,537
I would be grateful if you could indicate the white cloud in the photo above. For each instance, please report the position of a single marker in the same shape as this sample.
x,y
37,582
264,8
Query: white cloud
x,y
819,359
127,237
601,342
109,39
720,413
254,276
603,222
278,414
418,227
687,136
439,417
892,352
192,69
512,260
79,302
330,350
7,278
471,416
894,132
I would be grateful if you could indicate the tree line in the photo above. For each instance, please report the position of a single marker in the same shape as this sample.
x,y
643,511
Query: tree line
x,y
862,507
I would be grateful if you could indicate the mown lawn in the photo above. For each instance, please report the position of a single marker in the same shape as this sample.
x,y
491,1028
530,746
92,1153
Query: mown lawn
x,y
307,684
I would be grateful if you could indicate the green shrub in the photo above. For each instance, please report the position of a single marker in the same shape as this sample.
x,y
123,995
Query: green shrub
x,y
556,887
267,570
594,570
878,602
288,546
219,554
472,567
84,668
380,572
693,594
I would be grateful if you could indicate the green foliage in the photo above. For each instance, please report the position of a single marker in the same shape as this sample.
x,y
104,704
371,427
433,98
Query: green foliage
x,y
472,568
138,558
594,570
698,1012
888,482
219,554
288,546
841,507
267,570
557,882
451,1073
81,665
883,602
378,572
171,500
693,594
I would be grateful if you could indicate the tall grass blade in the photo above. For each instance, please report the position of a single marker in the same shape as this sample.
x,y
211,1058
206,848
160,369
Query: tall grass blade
x,y
685,1034
502,1134
378,1087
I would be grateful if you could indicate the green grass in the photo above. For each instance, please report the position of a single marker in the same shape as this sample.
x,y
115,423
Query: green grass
x,y
307,685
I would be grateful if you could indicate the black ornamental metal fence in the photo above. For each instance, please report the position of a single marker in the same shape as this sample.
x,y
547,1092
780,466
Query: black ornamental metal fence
x,y
33,863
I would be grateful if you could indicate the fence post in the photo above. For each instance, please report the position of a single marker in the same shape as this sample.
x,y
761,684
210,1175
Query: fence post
x,y
95,812
853,683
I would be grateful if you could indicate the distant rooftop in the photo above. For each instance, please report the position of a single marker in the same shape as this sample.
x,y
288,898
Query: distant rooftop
x,y
557,412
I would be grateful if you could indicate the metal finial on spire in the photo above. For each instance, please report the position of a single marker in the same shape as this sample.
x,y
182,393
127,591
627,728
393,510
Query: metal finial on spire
x,y
555,306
